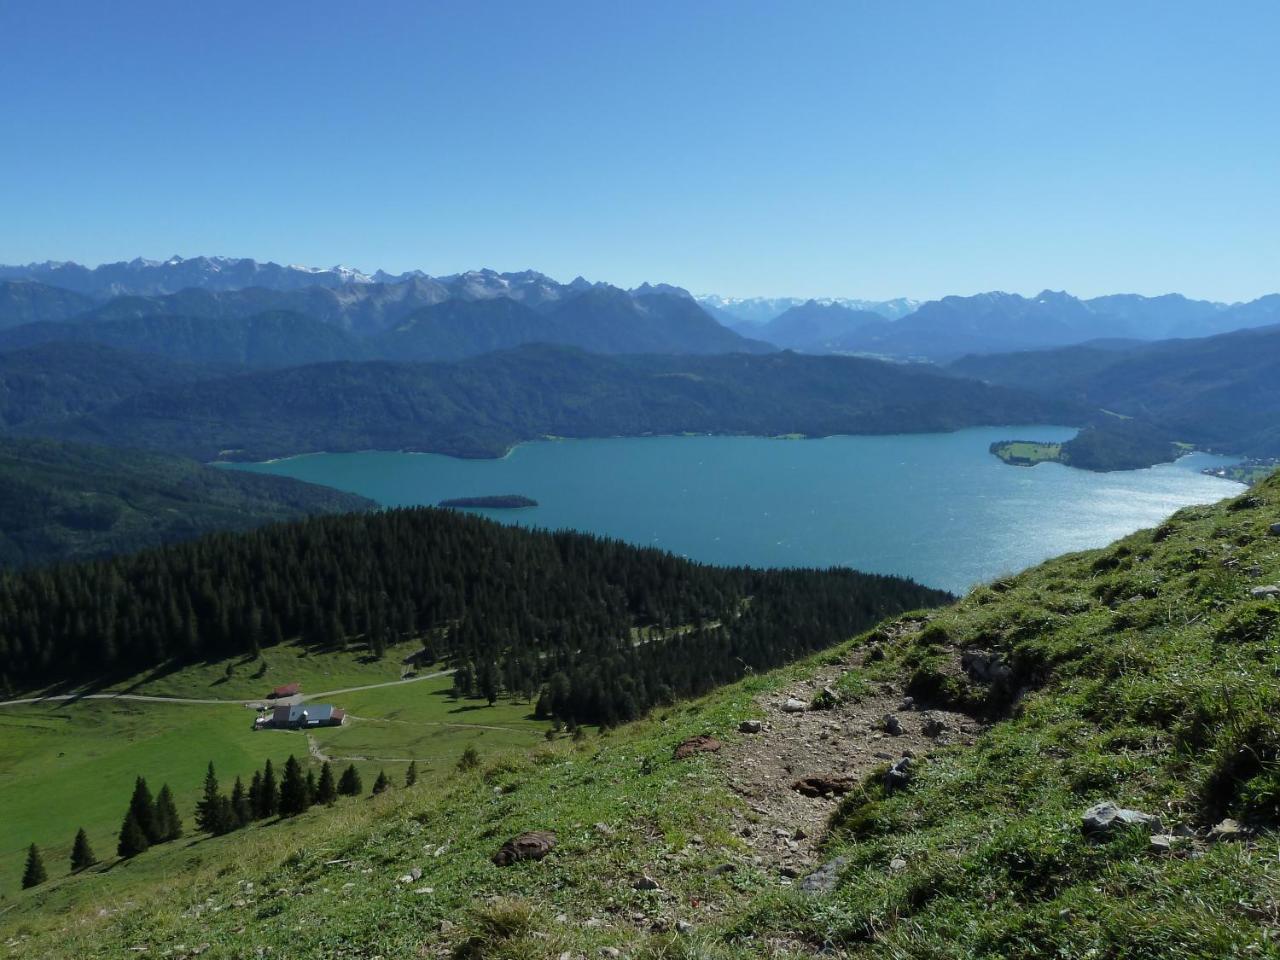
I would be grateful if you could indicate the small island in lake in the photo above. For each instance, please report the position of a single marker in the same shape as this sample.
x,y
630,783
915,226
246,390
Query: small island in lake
x,y
506,501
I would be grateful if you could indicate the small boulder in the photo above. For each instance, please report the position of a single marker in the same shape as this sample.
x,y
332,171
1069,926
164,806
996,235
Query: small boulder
x,y
1265,593
1104,819
933,726
891,725
1275,529
792,705
645,882
985,666
533,845
825,878
698,744
1164,842
897,863
750,726
898,775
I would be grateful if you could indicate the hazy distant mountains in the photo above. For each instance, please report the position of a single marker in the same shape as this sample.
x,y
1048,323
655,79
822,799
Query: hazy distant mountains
x,y
747,313
941,330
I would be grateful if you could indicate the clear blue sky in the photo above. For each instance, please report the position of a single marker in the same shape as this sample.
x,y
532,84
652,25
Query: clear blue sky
x,y
843,148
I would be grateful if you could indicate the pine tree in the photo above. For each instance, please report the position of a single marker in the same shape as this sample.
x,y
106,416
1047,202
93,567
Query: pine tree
x,y
168,821
34,874
293,789
241,811
270,792
382,783
311,787
212,810
144,810
82,855
255,795
326,790
133,840
350,785
411,774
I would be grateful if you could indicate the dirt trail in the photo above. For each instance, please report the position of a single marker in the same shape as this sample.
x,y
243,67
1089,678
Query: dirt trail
x,y
848,741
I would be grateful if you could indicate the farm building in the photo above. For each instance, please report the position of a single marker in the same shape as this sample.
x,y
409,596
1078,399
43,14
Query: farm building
x,y
300,716
286,690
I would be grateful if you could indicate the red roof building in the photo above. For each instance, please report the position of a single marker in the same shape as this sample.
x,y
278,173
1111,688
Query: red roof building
x,y
288,690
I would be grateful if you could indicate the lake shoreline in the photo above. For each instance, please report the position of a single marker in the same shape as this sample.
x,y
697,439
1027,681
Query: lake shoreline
x,y
938,508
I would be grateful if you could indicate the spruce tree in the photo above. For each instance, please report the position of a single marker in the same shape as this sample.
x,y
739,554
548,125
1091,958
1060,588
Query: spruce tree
x,y
133,840
241,811
270,791
293,789
382,783
411,774
34,874
144,810
350,785
211,811
82,855
168,821
326,789
255,795
312,789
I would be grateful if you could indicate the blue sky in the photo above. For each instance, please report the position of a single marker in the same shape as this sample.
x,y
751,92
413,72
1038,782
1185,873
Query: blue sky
x,y
853,149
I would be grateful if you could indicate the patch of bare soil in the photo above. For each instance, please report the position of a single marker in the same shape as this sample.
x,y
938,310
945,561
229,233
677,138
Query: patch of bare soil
x,y
793,772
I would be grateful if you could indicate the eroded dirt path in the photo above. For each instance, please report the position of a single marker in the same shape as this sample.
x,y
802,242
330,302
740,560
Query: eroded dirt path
x,y
848,741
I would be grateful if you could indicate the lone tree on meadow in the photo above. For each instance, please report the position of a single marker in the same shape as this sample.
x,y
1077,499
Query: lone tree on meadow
x,y
350,785
293,789
82,855
326,789
133,840
411,774
382,783
168,822
34,874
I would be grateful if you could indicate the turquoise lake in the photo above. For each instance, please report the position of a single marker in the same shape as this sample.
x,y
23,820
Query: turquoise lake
x,y
936,507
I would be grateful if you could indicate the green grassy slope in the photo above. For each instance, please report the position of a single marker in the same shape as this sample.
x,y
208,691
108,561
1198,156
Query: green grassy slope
x,y
1145,673
64,765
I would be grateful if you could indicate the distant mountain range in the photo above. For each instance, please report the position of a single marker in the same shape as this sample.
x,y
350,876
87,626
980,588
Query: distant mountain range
x,y
746,313
943,330
386,314
406,321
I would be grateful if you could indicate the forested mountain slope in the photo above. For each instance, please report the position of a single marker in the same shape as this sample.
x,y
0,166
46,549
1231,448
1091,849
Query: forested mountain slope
x,y
280,338
514,609
61,502
25,301
480,407
1221,392
55,381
